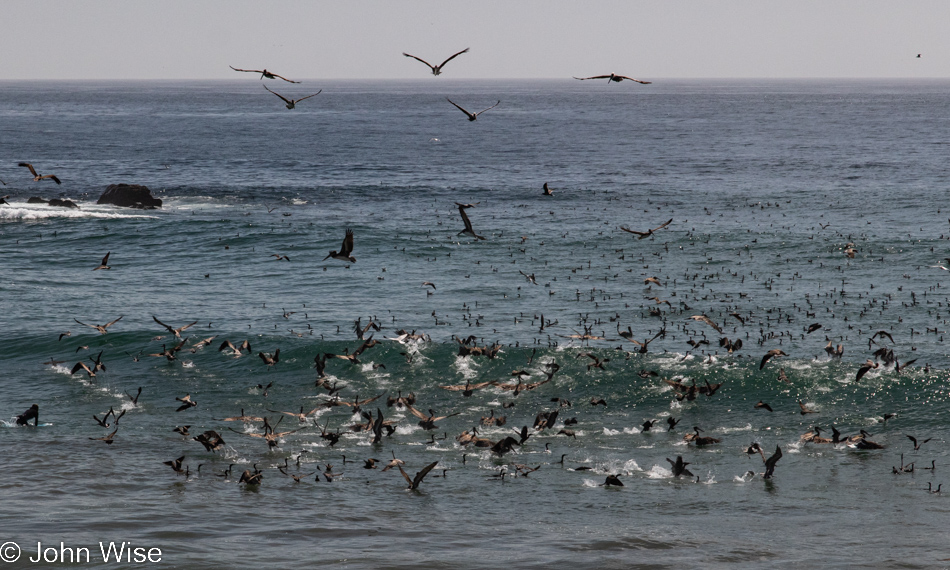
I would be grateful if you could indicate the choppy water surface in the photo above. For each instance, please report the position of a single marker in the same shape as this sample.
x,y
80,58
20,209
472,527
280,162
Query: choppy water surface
x,y
767,183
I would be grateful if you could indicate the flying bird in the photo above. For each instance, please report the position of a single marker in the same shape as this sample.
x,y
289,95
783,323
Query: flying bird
x,y
648,233
173,330
414,482
436,69
100,328
264,73
775,352
472,116
613,77
468,223
291,103
104,264
37,177
345,250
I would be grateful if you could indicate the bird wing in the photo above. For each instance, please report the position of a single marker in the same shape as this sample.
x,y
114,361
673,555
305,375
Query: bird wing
x,y
401,470
417,413
422,60
109,324
451,58
488,109
422,474
282,77
624,228
465,220
308,96
667,222
373,399
30,166
52,177
84,324
594,77
435,419
347,246
286,100
105,260
246,70
467,114
637,80
170,329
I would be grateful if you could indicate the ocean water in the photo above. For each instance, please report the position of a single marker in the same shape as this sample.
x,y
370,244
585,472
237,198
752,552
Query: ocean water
x,y
767,183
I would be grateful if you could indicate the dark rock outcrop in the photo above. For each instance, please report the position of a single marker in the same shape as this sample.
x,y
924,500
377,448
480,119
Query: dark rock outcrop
x,y
36,200
129,196
63,203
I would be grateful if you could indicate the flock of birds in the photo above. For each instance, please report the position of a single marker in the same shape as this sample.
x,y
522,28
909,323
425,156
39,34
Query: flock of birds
x,y
377,427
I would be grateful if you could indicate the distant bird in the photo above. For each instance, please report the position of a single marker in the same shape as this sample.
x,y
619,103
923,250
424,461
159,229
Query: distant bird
x,y
775,352
104,264
264,73
429,284
291,103
468,223
804,409
671,423
415,481
37,177
763,405
614,77
107,439
345,250
867,366
648,233
186,403
270,360
813,327
174,331
547,191
472,116
914,441
708,321
175,464
436,69
100,328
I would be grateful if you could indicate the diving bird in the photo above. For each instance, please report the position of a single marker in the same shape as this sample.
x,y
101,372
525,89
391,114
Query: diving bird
x,y
648,233
264,73
37,177
104,264
468,223
472,116
612,481
775,352
914,441
771,461
291,103
345,250
679,467
436,69
613,77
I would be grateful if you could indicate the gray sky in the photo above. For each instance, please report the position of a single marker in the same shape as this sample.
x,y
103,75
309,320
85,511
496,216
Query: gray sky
x,y
348,39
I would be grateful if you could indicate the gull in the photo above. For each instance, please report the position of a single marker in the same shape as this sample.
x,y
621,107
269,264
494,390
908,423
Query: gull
x,y
37,177
100,328
436,69
472,116
345,250
104,264
291,103
613,77
648,233
264,73
468,223
414,482
174,331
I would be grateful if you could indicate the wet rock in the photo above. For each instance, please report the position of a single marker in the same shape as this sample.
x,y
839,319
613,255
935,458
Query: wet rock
x,y
129,196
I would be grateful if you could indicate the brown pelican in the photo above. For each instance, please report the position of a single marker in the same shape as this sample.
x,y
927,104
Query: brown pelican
x,y
345,250
414,482
104,264
805,410
769,355
472,116
107,439
174,331
37,177
708,321
100,328
186,403
648,233
436,69
269,359
468,223
291,103
428,421
264,73
614,77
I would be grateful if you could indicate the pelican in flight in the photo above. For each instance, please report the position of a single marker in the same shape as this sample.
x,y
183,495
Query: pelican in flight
x,y
648,233
436,69
468,223
37,177
291,103
471,116
264,73
613,77
345,250
105,263
100,328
